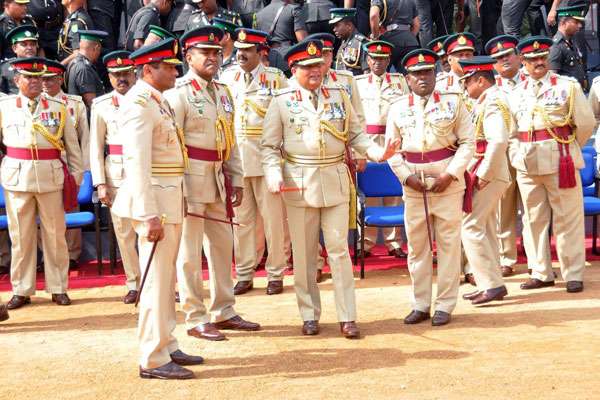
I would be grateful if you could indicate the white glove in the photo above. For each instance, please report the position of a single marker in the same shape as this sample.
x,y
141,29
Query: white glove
x,y
274,181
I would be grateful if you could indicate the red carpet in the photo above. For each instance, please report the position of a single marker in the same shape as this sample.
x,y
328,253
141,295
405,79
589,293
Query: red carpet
x,y
87,275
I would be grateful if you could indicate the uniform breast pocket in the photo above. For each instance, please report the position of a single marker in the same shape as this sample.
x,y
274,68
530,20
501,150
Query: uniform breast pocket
x,y
58,176
10,172
198,123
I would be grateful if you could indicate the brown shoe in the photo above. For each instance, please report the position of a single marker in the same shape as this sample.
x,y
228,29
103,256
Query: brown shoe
x,y
440,318
206,331
415,317
237,323
18,302
180,358
310,328
61,299
320,277
350,330
130,297
242,287
398,253
470,278
574,286
506,271
3,312
168,371
490,295
275,287
533,283
471,296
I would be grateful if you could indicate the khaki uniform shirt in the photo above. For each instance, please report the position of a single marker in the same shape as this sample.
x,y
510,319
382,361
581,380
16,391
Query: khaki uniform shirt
x,y
77,111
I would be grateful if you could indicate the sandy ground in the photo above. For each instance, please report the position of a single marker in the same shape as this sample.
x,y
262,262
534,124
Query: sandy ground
x,y
542,344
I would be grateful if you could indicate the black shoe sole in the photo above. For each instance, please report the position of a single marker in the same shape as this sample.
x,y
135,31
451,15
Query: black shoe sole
x,y
416,322
146,375
4,317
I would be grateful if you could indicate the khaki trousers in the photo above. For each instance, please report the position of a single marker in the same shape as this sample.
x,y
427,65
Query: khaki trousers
x,y
542,199
479,236
217,240
392,236
157,302
305,223
258,200
22,209
73,237
445,216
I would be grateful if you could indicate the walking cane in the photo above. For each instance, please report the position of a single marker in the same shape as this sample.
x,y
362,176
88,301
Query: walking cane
x,y
163,218
429,235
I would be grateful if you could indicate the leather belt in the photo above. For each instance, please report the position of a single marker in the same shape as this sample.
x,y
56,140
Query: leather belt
x,y
314,161
115,149
32,153
397,27
542,134
166,169
196,153
428,156
375,129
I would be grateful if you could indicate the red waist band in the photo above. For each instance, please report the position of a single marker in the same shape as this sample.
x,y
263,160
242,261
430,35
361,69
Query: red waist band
x,y
428,156
480,148
21,153
543,134
196,153
115,149
375,129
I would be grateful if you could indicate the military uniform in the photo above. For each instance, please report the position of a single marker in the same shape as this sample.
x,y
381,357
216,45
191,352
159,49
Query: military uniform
x,y
247,10
493,123
21,33
82,77
566,59
308,128
377,94
317,16
541,149
105,15
199,18
48,16
594,99
68,39
437,137
252,99
351,56
139,26
33,172
6,25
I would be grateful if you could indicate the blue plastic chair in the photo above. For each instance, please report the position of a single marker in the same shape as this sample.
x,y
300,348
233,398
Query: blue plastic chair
x,y
377,180
591,202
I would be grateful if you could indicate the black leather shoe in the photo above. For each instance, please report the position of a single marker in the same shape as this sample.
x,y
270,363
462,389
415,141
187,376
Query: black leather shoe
x,y
398,253
490,295
506,271
470,278
180,358
310,328
3,312
574,286
471,295
242,287
73,264
533,283
320,277
415,317
167,371
130,297
61,299
275,287
440,318
18,302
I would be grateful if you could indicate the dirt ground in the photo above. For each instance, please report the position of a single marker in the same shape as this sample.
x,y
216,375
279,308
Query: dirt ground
x,y
542,344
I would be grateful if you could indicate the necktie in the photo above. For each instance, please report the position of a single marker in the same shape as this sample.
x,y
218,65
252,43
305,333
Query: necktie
x,y
314,99
536,87
211,91
32,106
248,78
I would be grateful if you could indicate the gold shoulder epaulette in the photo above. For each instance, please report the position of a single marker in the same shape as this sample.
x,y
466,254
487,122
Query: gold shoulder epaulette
x,y
102,98
285,90
142,98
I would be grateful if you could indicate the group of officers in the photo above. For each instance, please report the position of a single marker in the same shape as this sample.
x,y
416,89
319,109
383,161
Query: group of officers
x,y
204,165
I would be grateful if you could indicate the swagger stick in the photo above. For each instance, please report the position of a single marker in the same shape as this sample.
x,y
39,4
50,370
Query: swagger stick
x,y
163,218
429,235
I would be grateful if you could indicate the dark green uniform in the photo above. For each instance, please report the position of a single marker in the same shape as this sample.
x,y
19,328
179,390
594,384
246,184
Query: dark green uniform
x,y
139,26
68,39
566,59
6,24
198,18
351,55
48,17
82,77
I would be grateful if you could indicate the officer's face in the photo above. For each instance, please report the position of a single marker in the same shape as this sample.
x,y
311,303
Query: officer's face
x,y
51,84
30,86
571,26
17,11
342,29
27,48
122,81
475,85
309,76
508,65
327,60
205,62
162,75
378,65
445,64
421,82
455,57
536,67
248,58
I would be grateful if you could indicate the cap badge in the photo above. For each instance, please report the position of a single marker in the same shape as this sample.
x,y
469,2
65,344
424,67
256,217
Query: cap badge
x,y
421,58
211,37
311,49
499,46
536,45
378,47
242,36
119,61
462,40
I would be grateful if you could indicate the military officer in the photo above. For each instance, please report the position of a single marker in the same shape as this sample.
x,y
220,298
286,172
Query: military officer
x,y
437,144
24,42
313,124
151,198
285,22
252,86
15,14
488,177
350,55
565,56
503,49
545,149
82,77
247,9
317,15
396,22
437,45
52,82
107,171
204,109
106,15
48,15
228,52
378,90
206,10
77,19
140,23
36,130
458,47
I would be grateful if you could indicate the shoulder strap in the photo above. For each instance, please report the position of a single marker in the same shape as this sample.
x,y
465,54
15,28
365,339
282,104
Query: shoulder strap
x,y
272,28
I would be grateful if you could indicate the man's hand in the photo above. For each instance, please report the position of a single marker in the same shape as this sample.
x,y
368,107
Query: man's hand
x,y
415,183
154,229
551,20
274,182
442,182
460,16
103,195
237,196
481,183
391,147
361,165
